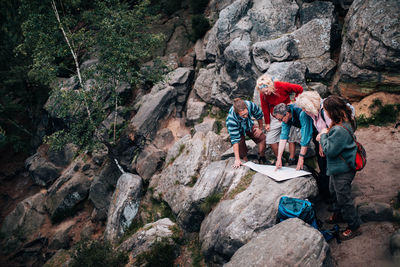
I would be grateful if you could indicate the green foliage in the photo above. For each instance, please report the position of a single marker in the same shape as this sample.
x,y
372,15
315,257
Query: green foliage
x,y
210,202
198,6
245,181
113,31
200,25
92,253
162,253
380,114
136,224
196,255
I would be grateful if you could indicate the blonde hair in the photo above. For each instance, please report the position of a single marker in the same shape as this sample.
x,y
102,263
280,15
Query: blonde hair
x,y
310,101
267,80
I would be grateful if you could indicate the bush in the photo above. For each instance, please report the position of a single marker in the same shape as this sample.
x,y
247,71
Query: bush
x,y
162,253
380,115
92,253
200,26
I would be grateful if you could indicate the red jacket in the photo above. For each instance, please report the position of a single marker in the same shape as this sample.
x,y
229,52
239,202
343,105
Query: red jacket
x,y
281,95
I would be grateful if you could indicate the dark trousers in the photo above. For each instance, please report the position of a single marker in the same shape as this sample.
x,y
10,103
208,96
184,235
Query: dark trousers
x,y
343,202
323,179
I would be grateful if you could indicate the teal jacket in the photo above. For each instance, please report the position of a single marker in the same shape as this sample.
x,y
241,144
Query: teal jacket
x,y
339,142
300,120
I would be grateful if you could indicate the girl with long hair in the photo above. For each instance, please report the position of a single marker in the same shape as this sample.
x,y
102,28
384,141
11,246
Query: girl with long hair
x,y
340,149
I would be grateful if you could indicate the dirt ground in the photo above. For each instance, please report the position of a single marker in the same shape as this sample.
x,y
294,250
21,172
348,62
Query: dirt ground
x,y
379,181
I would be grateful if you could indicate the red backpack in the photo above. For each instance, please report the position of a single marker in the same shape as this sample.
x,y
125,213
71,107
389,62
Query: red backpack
x,y
361,155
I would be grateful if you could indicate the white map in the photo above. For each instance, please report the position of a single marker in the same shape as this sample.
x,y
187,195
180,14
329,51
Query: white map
x,y
282,174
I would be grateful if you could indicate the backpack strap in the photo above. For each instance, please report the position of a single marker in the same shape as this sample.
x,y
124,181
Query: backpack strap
x,y
340,155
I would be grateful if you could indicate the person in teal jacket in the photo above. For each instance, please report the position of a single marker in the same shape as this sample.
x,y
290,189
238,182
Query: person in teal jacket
x,y
340,149
292,115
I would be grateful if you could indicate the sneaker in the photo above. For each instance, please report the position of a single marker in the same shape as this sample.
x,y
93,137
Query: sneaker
x,y
349,234
335,218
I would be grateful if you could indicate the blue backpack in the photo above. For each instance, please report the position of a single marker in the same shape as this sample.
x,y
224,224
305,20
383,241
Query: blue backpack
x,y
290,207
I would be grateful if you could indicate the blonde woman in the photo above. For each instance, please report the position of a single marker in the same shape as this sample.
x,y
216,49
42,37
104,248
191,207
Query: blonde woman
x,y
311,103
272,93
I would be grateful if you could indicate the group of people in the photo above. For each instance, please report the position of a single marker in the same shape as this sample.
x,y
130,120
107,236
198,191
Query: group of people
x,y
328,122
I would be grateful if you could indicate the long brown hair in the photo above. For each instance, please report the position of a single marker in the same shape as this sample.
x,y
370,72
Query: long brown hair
x,y
338,111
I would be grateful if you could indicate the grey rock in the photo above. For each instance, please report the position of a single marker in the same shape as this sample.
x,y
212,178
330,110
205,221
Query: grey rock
x,y
195,109
280,49
370,48
145,238
24,222
42,171
102,189
64,157
289,243
149,161
234,222
180,76
125,205
152,110
204,83
66,194
185,160
61,238
271,19
207,126
316,10
163,138
218,177
293,72
309,46
375,211
237,57
321,88
106,128
320,68
179,42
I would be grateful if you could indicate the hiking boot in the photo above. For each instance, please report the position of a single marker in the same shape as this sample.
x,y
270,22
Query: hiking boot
x,y
292,162
263,160
335,218
349,234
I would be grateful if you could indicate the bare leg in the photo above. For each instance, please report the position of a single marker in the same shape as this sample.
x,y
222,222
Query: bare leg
x,y
274,148
261,148
292,150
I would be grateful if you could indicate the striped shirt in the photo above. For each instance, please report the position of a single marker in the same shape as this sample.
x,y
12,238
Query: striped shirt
x,y
238,126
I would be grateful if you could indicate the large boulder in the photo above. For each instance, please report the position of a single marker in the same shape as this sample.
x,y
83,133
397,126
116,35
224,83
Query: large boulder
x,y
124,207
217,178
149,161
185,161
102,189
65,196
369,59
147,236
24,222
289,243
234,222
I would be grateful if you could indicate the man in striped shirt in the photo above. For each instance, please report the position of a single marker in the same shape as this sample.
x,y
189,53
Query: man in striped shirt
x,y
240,124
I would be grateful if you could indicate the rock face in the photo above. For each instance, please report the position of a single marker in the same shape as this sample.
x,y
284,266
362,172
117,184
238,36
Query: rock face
x,y
289,243
216,178
124,206
149,161
186,159
102,189
250,36
235,222
24,222
45,167
66,194
394,245
143,239
369,59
